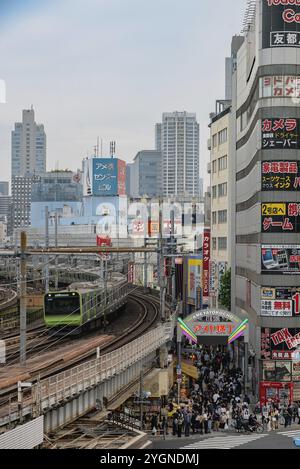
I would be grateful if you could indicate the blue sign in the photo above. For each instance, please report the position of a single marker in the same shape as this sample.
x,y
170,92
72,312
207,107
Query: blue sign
x,y
105,176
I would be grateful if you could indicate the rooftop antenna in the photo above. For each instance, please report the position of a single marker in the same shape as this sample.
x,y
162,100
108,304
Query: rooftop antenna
x,y
101,148
97,147
112,149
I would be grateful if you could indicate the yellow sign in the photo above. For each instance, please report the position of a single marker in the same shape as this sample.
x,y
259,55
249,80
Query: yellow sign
x,y
189,369
273,210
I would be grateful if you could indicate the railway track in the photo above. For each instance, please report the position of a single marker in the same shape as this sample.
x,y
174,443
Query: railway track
x,y
148,307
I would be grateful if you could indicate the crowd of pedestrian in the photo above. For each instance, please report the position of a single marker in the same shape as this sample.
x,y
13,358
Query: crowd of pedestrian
x,y
217,402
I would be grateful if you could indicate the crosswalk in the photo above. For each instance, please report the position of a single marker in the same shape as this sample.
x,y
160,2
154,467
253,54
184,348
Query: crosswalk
x,y
291,433
224,442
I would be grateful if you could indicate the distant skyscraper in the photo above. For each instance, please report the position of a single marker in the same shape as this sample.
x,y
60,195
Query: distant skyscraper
x,y
145,174
4,188
21,188
28,147
180,154
158,128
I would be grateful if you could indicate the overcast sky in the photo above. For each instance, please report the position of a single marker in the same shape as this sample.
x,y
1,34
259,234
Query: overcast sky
x,y
110,68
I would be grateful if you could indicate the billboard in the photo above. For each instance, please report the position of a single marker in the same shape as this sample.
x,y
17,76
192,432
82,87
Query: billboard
x,y
206,262
280,302
280,260
281,23
279,86
280,176
280,217
281,133
194,268
105,176
279,344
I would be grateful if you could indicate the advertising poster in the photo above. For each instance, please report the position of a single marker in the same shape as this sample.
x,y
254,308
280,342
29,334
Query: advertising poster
x,y
121,177
280,260
280,133
194,267
280,302
280,26
279,344
280,217
280,176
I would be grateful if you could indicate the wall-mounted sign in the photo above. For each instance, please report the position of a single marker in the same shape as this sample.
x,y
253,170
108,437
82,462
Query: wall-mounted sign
x,y
280,175
280,302
281,23
279,344
280,259
194,272
206,262
279,86
280,133
280,217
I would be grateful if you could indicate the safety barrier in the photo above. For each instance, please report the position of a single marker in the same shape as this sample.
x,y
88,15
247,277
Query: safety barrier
x,y
76,380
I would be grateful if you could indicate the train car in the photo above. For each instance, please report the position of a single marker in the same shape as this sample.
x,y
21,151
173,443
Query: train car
x,y
85,306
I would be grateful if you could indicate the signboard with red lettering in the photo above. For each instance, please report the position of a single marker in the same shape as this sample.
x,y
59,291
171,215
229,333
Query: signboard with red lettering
x,y
279,86
280,259
280,217
206,262
279,344
281,23
280,176
280,133
280,302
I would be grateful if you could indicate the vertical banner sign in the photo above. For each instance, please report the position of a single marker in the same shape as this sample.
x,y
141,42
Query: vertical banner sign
x,y
281,23
206,262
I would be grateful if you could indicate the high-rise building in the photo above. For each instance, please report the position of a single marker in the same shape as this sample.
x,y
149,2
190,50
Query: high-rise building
x,y
145,174
28,147
61,192
158,128
265,175
180,154
21,190
4,188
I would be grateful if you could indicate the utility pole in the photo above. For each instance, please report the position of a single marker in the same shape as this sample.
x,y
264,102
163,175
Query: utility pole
x,y
56,245
47,246
145,269
173,258
141,397
23,310
161,277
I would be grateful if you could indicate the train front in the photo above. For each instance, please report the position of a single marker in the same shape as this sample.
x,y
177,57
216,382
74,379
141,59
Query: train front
x,y
63,311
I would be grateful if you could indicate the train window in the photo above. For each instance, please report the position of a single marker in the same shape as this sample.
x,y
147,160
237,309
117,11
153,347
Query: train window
x,y
62,305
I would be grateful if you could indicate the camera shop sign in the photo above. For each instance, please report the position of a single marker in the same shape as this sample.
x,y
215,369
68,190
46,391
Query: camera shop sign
x,y
279,344
212,323
281,23
281,133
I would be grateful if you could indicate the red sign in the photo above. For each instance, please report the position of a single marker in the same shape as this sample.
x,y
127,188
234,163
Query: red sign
x,y
276,392
206,262
121,177
104,241
131,272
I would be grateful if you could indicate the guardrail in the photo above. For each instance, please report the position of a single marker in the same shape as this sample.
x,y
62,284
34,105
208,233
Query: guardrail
x,y
72,382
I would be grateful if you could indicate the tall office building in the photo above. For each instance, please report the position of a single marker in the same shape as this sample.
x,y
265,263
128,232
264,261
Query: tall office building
x,y
145,174
28,147
158,128
180,154
265,175
21,190
4,188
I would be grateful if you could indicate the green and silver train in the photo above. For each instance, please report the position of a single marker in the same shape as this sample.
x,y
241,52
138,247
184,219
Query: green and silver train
x,y
85,306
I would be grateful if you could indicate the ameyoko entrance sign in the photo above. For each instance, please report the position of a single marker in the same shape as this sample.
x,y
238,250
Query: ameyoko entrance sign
x,y
213,326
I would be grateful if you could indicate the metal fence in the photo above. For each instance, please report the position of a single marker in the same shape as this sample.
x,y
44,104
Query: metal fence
x,y
72,382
